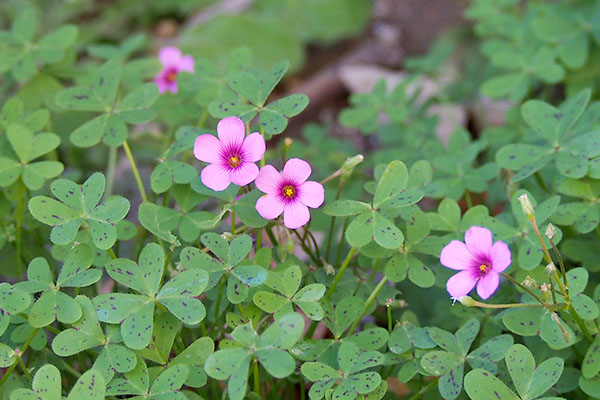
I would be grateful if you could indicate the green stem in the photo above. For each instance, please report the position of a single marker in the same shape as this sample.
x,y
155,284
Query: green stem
x,y
258,239
540,181
525,288
374,270
389,317
332,223
111,253
272,236
581,324
256,378
340,272
24,368
468,199
341,245
135,171
233,221
219,296
509,305
370,301
314,241
110,170
19,244
23,350
420,393
561,263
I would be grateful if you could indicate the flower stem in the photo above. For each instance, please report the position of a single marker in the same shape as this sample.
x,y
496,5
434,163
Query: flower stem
x,y
19,227
14,364
256,378
340,272
341,245
389,318
580,322
110,170
370,301
135,171
233,221
112,254
525,288
219,296
509,305
561,263
332,223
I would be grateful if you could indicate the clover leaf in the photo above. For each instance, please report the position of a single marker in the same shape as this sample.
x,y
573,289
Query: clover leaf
x,y
53,304
20,147
269,349
350,378
565,135
79,204
254,87
87,334
12,301
166,385
23,55
530,381
101,95
287,283
584,215
135,312
449,363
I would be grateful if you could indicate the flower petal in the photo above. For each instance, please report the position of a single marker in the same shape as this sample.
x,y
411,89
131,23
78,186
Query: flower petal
x,y
456,256
500,257
295,214
269,206
216,177
479,241
296,170
162,85
253,147
169,56
487,285
231,131
186,64
207,148
269,180
461,284
311,194
244,173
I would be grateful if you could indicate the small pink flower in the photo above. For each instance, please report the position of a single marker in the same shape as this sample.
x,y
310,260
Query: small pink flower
x,y
289,193
173,62
231,157
478,261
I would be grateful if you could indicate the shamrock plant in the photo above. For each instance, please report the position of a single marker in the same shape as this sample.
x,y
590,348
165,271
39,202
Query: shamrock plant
x,y
78,205
135,312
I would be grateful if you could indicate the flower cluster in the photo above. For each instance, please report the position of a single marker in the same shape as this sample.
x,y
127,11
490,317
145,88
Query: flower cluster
x,y
232,158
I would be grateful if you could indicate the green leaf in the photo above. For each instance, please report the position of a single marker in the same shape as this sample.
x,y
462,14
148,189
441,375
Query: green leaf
x,y
133,108
591,362
170,172
521,366
246,210
89,386
179,293
169,382
343,208
148,215
46,385
278,364
482,385
524,321
54,305
488,354
231,364
439,363
283,333
392,182
551,333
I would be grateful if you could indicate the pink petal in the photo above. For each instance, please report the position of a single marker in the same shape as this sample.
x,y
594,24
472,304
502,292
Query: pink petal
x,y
500,257
207,148
269,206
162,85
487,285
216,177
456,256
169,56
253,147
186,64
231,131
461,284
479,241
244,174
296,170
172,87
295,214
268,180
311,194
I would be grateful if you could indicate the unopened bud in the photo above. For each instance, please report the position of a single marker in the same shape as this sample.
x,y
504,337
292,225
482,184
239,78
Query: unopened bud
x,y
389,302
287,143
556,319
290,245
545,287
550,268
550,231
466,301
527,207
529,282
329,270
352,162
545,295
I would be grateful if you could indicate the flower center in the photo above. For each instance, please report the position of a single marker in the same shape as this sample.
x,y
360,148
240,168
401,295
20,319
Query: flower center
x,y
289,191
235,161
483,269
171,76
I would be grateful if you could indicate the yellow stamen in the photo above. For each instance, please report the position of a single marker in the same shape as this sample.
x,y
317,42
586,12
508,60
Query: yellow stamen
x,y
289,191
171,76
484,267
234,161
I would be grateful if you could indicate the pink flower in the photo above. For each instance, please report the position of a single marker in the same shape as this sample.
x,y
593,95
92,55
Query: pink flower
x,y
231,157
288,193
478,261
173,62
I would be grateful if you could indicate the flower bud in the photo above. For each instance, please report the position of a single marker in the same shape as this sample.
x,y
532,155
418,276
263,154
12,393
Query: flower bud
x,y
529,282
527,207
550,268
466,301
329,270
352,162
287,143
550,231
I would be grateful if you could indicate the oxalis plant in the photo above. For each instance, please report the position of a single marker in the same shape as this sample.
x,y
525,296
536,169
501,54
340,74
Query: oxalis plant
x,y
158,240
